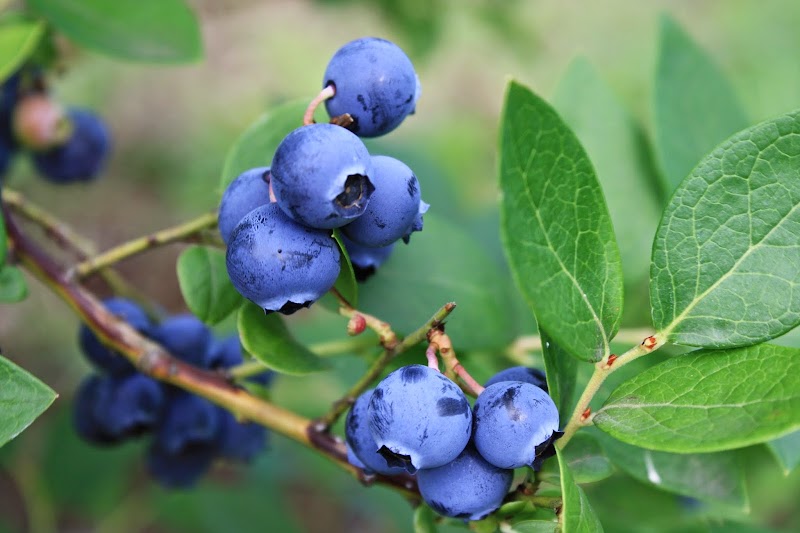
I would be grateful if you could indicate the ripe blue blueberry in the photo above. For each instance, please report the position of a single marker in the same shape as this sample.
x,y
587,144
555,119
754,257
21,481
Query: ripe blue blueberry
x,y
534,376
104,358
365,260
111,409
515,423
82,156
279,264
240,441
360,441
248,191
375,83
468,487
321,176
186,441
419,418
395,209
185,337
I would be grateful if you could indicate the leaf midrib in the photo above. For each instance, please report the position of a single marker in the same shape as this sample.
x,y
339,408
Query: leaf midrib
x,y
697,299
528,193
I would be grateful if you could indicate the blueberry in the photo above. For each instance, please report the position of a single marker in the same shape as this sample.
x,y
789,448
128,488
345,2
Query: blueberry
x,y
82,156
248,191
103,357
240,441
132,407
515,423
534,376
94,390
375,83
467,487
360,441
321,176
186,441
395,208
185,337
224,353
111,409
419,418
354,460
6,155
366,260
279,264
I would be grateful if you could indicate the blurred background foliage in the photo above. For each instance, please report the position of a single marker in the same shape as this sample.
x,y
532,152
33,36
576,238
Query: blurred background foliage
x,y
173,126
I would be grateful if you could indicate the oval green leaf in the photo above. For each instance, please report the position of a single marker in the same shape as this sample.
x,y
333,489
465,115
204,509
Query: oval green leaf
x,y
13,287
713,477
165,31
577,515
724,270
205,285
255,147
556,229
695,105
707,401
22,399
345,283
18,40
443,264
266,338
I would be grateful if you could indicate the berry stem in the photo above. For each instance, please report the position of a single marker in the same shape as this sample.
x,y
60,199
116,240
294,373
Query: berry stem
x,y
187,231
328,92
440,341
374,371
71,241
152,359
602,370
388,338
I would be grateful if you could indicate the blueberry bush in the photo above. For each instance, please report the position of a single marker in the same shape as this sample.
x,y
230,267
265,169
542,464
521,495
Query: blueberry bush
x,y
366,336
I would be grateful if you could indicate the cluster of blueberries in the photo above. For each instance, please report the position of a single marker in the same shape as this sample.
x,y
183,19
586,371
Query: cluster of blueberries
x,y
418,421
65,145
189,432
277,220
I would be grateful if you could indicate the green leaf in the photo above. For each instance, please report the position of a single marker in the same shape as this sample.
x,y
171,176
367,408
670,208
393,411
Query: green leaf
x,y
266,338
345,283
18,40
556,228
695,105
165,31
22,399
714,477
531,526
443,264
786,450
586,459
424,520
258,143
13,287
615,144
577,515
205,285
708,400
561,370
724,270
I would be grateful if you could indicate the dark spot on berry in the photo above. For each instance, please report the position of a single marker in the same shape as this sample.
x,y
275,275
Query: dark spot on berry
x,y
356,189
363,273
440,508
451,406
292,307
411,186
412,374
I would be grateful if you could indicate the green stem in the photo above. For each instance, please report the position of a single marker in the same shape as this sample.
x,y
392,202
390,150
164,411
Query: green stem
x,y
378,366
581,416
181,232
